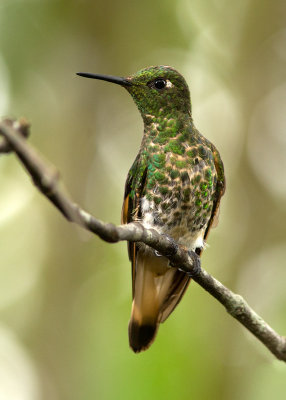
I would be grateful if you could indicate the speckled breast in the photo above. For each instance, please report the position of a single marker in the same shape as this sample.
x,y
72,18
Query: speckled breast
x,y
180,186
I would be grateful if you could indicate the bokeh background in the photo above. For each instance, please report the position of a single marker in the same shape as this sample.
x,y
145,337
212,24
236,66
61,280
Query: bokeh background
x,y
65,296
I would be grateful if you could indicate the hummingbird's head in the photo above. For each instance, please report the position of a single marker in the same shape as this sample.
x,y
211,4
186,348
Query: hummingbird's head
x,y
156,91
159,91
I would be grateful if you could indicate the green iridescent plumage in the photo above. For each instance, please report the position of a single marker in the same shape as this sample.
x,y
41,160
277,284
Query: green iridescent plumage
x,y
174,186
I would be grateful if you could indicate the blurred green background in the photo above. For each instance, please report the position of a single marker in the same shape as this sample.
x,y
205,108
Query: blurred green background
x,y
65,296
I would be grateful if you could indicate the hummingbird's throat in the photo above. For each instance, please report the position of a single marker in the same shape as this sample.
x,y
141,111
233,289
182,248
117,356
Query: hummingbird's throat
x,y
162,129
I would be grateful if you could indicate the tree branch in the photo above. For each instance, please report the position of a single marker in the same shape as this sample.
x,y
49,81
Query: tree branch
x,y
46,178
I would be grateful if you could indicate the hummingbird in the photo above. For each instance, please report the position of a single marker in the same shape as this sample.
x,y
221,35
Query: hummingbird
x,y
174,186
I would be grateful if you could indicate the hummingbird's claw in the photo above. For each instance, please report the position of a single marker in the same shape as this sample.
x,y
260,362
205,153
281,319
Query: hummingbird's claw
x,y
196,269
173,250
173,243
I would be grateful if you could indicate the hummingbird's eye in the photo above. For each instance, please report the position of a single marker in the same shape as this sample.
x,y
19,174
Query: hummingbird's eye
x,y
160,83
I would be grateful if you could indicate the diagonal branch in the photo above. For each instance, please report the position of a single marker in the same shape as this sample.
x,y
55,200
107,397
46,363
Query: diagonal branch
x,y
46,178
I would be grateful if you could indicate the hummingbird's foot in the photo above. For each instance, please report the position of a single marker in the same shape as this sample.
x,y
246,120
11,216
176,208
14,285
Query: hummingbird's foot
x,y
196,269
174,245
174,248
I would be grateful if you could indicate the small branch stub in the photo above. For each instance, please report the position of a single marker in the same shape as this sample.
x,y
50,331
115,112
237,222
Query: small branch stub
x,y
22,127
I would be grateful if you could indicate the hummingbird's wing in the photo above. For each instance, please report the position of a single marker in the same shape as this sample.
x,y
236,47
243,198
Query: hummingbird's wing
x,y
131,211
220,189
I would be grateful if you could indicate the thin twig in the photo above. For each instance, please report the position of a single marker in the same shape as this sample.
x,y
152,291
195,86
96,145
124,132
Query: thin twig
x,y
46,178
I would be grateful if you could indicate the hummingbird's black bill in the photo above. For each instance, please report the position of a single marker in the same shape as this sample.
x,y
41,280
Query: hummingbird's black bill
x,y
109,78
